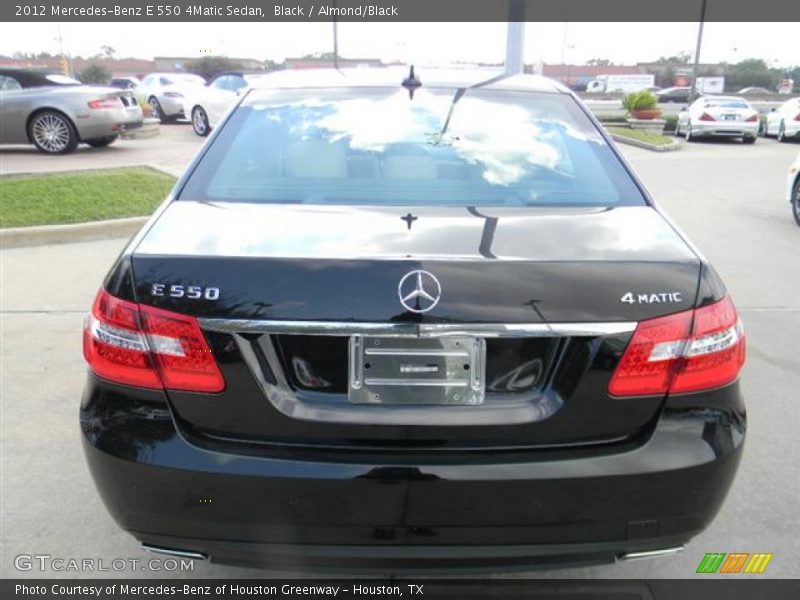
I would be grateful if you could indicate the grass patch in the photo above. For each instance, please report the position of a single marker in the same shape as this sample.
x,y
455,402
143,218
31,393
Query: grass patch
x,y
642,136
78,197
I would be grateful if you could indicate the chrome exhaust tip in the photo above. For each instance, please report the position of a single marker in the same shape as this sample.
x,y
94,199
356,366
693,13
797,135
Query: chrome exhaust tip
x,y
174,552
650,553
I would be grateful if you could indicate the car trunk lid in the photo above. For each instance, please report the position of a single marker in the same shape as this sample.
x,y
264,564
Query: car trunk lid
x,y
552,293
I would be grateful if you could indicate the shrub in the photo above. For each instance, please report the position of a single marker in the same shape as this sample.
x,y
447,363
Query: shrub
x,y
95,73
642,100
208,66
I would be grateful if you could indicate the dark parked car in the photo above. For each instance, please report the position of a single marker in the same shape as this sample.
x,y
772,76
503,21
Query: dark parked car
x,y
55,113
392,326
125,83
674,94
755,91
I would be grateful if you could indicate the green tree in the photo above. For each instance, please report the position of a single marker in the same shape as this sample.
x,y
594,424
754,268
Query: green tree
x,y
682,58
208,66
271,65
751,72
666,78
95,73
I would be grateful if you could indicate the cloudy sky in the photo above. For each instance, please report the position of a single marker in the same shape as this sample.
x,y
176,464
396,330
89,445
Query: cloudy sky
x,y
420,43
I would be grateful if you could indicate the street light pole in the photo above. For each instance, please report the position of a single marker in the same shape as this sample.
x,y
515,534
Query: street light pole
x,y
515,37
693,91
335,39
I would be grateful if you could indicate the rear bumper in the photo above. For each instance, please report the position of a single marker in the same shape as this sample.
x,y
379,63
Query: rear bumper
x,y
294,509
792,129
107,122
172,107
723,129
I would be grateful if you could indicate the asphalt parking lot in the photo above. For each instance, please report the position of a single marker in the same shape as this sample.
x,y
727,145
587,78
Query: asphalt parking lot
x,y
169,152
727,196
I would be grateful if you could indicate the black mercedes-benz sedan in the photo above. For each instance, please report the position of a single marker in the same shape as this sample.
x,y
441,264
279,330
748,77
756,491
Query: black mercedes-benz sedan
x,y
392,321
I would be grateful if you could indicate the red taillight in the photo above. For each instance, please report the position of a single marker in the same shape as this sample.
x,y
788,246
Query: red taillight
x,y
706,117
180,351
148,347
110,102
686,352
646,368
797,117
114,344
752,118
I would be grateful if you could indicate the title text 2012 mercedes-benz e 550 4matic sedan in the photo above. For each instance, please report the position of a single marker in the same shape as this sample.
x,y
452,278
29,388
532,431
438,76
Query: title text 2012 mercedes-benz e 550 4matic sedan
x,y
392,322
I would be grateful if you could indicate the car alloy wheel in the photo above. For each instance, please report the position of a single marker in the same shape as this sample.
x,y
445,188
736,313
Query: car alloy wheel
x,y
200,121
796,202
156,106
53,133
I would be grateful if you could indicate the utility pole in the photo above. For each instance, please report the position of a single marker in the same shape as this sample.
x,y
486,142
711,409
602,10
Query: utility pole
x,y
693,91
335,39
515,37
65,67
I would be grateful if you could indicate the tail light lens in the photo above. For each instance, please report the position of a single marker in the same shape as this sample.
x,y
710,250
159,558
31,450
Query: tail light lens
x,y
797,117
108,102
706,117
689,351
752,118
147,347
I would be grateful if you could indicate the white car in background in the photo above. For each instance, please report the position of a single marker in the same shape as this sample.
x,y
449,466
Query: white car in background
x,y
784,122
207,105
793,188
723,116
166,92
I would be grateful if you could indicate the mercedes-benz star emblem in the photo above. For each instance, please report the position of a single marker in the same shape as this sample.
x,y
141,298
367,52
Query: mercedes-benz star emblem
x,y
419,291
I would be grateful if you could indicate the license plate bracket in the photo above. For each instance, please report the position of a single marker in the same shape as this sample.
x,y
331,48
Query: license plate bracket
x,y
417,371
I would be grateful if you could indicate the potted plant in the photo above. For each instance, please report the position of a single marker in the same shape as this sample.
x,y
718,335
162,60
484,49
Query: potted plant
x,y
641,105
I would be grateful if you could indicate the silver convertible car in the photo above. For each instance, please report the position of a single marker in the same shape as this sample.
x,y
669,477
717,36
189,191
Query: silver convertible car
x,y
55,113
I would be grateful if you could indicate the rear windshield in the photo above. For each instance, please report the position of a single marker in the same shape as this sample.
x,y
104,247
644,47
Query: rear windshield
x,y
441,147
62,79
173,79
733,103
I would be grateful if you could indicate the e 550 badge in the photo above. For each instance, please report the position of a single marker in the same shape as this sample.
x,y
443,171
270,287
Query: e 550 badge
x,y
191,292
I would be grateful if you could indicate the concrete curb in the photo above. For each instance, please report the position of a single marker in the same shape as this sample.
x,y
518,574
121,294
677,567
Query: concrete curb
x,y
40,235
17,237
621,139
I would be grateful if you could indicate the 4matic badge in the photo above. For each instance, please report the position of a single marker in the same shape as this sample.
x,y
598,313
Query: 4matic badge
x,y
650,298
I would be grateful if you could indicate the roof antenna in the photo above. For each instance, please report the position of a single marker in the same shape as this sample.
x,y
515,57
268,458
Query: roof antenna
x,y
411,83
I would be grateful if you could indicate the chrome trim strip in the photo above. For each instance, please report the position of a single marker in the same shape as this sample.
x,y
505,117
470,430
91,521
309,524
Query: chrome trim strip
x,y
288,402
172,552
418,329
650,553
417,382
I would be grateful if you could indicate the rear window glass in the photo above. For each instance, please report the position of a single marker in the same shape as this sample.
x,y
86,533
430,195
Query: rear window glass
x,y
174,79
441,147
62,79
728,103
